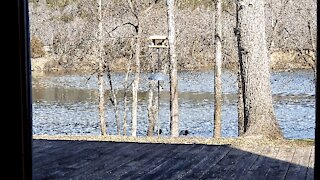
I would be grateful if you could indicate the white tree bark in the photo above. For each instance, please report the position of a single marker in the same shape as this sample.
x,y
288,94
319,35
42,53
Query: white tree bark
x,y
125,98
217,72
100,75
135,84
174,105
254,61
151,109
135,87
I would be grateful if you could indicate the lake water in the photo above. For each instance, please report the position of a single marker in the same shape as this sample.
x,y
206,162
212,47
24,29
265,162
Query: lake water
x,y
67,104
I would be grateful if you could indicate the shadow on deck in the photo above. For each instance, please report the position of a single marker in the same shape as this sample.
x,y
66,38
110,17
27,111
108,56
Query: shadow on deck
x,y
57,159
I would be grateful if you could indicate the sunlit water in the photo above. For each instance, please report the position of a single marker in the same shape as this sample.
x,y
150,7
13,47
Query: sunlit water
x,y
68,104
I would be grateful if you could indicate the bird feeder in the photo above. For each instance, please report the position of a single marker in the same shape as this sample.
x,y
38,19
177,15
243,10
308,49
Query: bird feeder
x,y
158,41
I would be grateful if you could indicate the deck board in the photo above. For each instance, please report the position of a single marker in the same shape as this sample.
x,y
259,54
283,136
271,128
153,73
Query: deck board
x,y
310,173
229,161
209,160
168,151
171,165
278,169
150,153
55,159
299,165
259,168
243,165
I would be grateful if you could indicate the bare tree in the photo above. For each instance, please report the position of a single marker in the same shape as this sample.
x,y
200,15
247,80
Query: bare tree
x,y
135,84
152,108
293,36
100,75
217,72
119,50
174,105
254,62
125,99
114,100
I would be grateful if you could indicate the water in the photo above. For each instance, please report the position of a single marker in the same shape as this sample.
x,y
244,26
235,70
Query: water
x,y
68,104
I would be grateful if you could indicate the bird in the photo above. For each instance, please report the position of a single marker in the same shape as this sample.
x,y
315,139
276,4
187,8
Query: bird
x,y
184,132
160,131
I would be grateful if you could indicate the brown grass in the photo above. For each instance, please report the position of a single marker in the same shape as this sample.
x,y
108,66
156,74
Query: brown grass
x,y
235,142
37,49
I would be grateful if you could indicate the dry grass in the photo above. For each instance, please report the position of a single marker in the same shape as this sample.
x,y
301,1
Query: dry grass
x,y
234,142
37,49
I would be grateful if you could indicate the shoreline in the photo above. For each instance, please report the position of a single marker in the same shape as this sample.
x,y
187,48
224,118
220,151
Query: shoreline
x,y
280,61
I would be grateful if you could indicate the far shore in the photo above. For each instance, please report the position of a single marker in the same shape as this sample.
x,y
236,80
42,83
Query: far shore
x,y
280,61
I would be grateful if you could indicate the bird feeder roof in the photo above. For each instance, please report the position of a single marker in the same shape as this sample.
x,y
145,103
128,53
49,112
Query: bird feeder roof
x,y
158,37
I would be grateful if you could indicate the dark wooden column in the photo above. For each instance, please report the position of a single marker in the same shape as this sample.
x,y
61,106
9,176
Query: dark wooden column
x,y
16,98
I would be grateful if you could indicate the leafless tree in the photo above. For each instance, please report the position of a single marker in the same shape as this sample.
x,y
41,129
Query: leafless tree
x,y
135,85
152,108
174,105
101,75
119,50
217,71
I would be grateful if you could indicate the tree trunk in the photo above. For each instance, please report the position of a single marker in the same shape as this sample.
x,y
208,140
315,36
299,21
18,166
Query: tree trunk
x,y
241,123
125,98
100,77
174,105
114,101
217,72
240,105
135,85
151,110
254,61
314,49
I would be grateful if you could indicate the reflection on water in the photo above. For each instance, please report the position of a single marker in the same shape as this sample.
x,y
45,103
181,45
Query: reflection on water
x,y
68,104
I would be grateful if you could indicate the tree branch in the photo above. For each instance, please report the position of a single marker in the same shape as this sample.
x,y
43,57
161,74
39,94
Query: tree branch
x,y
136,27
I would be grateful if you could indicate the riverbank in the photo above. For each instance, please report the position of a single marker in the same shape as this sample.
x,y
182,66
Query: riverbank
x,y
280,61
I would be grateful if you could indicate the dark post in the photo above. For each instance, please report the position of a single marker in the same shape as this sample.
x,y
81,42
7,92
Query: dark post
x,y
158,118
18,106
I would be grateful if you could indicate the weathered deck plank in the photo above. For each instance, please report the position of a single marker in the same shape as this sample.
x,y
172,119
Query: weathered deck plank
x,y
110,160
156,161
310,173
156,171
299,165
260,167
125,157
72,158
278,169
138,162
171,164
180,169
107,159
227,164
208,161
243,165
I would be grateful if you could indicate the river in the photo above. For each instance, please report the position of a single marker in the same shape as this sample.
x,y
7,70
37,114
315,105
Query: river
x,y
67,104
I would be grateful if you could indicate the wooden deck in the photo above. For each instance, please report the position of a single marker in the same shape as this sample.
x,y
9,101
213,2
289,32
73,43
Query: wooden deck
x,y
57,159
